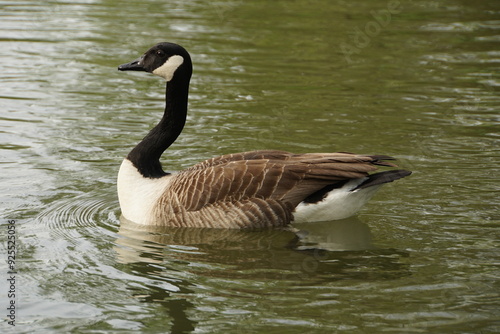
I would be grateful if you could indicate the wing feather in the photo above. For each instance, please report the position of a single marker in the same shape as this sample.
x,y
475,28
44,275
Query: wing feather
x,y
272,176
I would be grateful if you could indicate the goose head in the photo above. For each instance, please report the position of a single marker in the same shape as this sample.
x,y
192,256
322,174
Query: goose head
x,y
167,60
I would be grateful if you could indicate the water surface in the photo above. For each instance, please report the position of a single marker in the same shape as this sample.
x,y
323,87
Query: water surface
x,y
423,86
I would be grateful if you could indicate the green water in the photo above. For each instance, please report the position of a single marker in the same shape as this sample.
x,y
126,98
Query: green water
x,y
418,80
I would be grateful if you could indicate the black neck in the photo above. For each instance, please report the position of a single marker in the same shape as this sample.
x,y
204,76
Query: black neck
x,y
146,155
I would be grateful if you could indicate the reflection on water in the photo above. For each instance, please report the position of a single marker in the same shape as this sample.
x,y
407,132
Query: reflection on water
x,y
343,235
241,265
309,252
421,257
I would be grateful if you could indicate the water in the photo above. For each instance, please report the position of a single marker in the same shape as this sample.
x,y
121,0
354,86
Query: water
x,y
421,84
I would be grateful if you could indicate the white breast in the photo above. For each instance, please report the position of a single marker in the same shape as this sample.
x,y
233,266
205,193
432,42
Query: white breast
x,y
137,194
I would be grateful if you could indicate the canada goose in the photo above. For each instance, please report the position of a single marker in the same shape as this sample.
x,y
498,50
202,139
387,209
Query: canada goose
x,y
241,190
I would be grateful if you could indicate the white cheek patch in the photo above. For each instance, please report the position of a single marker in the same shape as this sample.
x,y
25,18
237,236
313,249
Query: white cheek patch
x,y
167,70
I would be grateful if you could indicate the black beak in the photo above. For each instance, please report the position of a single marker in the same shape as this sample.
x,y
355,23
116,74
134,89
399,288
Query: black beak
x,y
135,65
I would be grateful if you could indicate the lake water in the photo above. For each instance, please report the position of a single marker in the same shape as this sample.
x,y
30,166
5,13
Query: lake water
x,y
418,80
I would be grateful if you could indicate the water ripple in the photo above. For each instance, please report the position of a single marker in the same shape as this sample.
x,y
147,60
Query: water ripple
x,y
68,216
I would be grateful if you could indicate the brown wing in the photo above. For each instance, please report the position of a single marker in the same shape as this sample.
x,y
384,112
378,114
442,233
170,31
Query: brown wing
x,y
275,175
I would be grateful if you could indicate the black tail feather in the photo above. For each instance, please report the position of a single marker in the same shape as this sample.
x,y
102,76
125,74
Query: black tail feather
x,y
383,177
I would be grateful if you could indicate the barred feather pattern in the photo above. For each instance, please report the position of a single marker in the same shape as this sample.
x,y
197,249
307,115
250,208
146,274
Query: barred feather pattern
x,y
254,189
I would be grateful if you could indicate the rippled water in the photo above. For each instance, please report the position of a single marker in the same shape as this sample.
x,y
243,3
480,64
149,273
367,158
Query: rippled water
x,y
415,79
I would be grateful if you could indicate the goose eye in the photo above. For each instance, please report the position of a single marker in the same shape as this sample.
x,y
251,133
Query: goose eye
x,y
159,53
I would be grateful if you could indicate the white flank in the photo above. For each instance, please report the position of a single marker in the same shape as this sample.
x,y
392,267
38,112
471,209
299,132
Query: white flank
x,y
167,70
339,203
138,195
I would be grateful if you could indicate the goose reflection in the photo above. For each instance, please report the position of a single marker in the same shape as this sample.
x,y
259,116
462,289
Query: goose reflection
x,y
269,253
342,235
305,254
140,243
146,243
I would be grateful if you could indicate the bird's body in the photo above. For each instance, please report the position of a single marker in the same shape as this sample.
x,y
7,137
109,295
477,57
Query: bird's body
x,y
241,190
